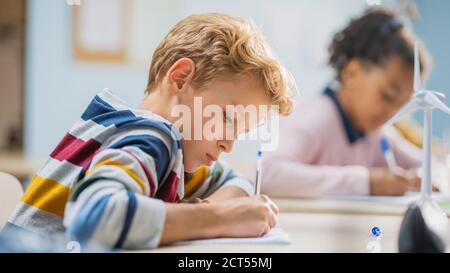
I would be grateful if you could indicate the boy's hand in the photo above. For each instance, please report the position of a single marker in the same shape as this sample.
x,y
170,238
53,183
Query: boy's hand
x,y
195,201
385,182
240,217
226,193
247,217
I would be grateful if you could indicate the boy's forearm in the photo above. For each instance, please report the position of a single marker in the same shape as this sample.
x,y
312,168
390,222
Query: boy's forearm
x,y
226,193
190,222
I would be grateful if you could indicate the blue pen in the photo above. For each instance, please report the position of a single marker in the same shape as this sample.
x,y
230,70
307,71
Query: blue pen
x,y
388,154
258,173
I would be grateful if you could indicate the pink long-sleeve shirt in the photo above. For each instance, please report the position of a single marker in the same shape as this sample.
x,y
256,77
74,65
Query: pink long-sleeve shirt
x,y
320,154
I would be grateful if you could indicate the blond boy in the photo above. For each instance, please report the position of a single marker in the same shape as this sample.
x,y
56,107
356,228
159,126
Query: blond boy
x,y
119,174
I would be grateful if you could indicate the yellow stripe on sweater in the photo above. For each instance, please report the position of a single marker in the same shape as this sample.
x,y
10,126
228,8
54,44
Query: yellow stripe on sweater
x,y
47,195
128,170
196,181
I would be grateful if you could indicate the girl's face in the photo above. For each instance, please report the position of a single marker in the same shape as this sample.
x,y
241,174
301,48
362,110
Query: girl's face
x,y
375,93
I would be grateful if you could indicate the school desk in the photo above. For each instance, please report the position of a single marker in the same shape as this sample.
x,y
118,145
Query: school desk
x,y
366,207
315,232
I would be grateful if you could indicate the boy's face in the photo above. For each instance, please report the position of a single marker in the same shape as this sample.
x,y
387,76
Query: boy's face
x,y
213,129
377,93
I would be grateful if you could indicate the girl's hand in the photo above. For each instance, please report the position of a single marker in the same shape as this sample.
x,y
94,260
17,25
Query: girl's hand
x,y
385,182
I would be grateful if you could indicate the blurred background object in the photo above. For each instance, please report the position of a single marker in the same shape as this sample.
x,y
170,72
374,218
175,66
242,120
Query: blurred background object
x,y
12,88
10,194
12,44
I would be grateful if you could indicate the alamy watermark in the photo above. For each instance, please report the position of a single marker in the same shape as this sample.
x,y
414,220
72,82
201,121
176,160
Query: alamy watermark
x,y
73,2
373,2
73,247
374,246
229,122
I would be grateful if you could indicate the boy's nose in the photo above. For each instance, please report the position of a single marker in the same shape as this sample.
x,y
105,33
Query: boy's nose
x,y
226,145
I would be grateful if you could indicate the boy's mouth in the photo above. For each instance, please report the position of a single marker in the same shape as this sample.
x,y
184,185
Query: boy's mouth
x,y
210,159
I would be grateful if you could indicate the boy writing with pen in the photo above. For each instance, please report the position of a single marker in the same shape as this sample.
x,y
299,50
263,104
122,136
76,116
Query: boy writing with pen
x,y
119,175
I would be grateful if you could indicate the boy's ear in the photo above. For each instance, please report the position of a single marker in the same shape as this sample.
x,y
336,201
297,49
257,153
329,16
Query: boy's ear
x,y
180,75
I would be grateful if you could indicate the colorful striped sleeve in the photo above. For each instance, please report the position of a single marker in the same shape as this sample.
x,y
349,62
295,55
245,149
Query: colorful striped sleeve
x,y
113,204
221,175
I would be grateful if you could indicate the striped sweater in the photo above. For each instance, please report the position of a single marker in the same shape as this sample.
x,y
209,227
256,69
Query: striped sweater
x,y
108,178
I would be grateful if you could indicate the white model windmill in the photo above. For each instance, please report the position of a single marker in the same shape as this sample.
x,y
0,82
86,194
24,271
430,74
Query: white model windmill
x,y
425,225
426,100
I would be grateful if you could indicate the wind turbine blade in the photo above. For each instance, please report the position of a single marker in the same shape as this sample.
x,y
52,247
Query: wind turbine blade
x,y
417,76
433,100
440,96
406,110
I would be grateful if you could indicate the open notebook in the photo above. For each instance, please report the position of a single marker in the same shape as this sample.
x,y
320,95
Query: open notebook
x,y
276,236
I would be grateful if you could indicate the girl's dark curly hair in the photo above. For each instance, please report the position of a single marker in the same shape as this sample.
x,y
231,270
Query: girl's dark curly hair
x,y
373,38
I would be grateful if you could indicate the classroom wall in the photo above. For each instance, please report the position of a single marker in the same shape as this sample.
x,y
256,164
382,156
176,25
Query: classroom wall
x,y
59,87
434,28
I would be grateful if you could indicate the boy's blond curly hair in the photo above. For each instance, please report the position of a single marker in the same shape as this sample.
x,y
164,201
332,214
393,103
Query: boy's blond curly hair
x,y
223,44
